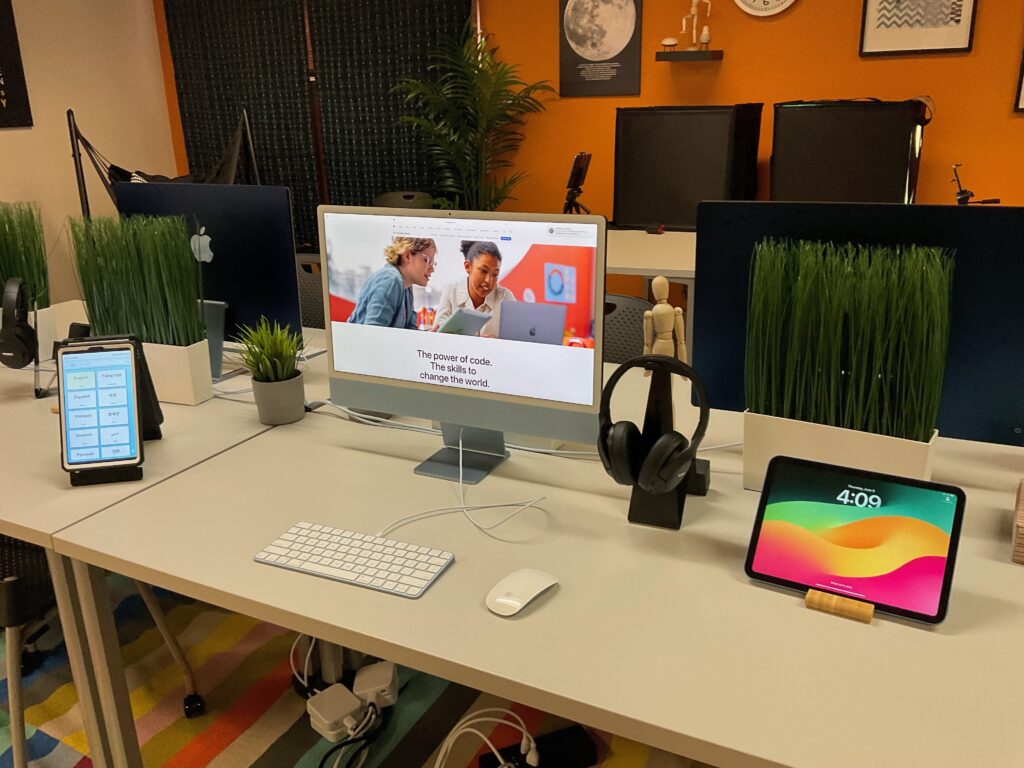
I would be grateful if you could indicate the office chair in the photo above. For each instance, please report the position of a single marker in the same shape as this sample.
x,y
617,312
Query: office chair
x,y
311,291
623,327
26,597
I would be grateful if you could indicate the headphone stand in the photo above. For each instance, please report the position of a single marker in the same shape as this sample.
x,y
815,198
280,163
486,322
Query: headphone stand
x,y
665,510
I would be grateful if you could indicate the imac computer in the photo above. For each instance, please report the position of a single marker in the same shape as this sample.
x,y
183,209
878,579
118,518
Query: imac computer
x,y
417,328
241,235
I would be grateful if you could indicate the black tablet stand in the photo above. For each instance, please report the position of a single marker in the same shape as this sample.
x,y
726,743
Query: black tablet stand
x,y
665,510
105,475
150,415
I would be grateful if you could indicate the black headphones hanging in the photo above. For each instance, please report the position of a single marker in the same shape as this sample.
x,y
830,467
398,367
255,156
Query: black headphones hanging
x,y
620,445
18,341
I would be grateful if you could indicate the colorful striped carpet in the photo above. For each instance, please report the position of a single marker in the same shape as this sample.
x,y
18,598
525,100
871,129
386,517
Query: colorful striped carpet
x,y
253,716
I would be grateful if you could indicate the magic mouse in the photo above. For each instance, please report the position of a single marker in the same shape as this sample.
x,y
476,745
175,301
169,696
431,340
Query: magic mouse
x,y
515,591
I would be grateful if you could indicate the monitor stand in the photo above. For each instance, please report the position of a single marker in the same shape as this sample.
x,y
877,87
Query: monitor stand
x,y
482,451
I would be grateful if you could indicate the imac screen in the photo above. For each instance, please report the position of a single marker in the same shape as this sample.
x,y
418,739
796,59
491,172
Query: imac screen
x,y
503,306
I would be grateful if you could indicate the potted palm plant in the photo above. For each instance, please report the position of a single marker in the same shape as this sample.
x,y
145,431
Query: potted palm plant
x,y
469,112
271,352
138,276
845,354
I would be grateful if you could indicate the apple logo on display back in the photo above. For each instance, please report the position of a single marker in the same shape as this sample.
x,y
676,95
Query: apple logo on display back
x,y
201,246
533,330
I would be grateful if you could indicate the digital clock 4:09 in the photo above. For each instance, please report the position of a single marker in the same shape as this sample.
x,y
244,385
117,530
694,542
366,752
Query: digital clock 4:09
x,y
859,498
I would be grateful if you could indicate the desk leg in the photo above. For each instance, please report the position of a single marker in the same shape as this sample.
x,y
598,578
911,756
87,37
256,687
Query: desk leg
x,y
81,670
105,651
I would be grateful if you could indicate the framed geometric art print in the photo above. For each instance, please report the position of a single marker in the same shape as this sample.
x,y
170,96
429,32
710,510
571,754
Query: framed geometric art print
x,y
894,27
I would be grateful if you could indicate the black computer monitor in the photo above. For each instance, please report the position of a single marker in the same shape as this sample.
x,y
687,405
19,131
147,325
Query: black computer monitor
x,y
242,235
862,151
984,379
668,159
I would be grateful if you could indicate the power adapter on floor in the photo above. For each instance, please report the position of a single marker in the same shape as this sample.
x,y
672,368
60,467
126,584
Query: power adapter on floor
x,y
570,747
377,684
335,712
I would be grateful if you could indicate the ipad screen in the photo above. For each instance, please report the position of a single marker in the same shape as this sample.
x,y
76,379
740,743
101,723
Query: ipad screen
x,y
877,538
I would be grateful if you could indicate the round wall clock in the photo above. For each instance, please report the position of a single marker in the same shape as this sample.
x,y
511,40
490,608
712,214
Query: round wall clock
x,y
764,7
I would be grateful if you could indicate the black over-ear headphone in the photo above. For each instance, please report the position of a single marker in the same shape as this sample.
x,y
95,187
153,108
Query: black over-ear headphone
x,y
620,444
18,339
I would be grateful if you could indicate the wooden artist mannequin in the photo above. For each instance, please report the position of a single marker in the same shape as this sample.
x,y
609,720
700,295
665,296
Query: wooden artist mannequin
x,y
661,322
690,19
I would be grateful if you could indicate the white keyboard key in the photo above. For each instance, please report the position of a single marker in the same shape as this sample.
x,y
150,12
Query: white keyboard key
x,y
395,567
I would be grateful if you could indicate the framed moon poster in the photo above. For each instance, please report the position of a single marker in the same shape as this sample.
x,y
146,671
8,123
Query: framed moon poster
x,y
14,107
599,48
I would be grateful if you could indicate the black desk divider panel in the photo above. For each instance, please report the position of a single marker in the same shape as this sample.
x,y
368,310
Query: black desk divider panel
x,y
668,159
846,151
983,388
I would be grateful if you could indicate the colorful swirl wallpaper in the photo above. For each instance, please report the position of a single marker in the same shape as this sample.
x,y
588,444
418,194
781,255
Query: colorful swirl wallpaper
x,y
893,552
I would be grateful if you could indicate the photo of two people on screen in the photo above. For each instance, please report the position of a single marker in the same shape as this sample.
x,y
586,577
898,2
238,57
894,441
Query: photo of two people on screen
x,y
470,287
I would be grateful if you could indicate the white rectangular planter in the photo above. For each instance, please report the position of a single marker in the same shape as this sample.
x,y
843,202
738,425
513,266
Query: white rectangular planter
x,y
768,436
53,323
180,374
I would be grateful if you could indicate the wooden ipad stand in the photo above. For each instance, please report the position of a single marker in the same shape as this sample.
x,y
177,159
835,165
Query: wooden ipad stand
x,y
840,606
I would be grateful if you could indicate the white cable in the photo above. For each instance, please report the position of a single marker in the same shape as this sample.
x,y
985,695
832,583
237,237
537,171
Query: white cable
x,y
486,529
442,757
231,391
305,666
478,712
373,421
527,743
415,518
364,725
376,421
527,746
719,446
553,451
291,658
220,396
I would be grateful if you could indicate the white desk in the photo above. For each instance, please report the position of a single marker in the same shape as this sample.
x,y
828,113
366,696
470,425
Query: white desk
x,y
652,634
39,500
672,254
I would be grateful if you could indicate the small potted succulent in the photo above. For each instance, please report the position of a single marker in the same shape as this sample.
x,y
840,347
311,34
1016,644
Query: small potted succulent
x,y
270,352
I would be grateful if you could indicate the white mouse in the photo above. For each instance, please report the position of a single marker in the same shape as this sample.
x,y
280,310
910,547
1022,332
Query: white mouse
x,y
515,591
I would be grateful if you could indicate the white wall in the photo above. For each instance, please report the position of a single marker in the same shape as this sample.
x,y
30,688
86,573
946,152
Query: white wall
x,y
102,59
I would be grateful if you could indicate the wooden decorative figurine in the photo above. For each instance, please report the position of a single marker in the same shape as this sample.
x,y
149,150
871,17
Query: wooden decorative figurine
x,y
691,19
662,322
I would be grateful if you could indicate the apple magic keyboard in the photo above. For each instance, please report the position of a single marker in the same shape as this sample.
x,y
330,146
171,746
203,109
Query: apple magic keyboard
x,y
397,567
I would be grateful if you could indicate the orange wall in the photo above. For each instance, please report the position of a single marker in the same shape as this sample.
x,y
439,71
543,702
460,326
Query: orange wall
x,y
808,52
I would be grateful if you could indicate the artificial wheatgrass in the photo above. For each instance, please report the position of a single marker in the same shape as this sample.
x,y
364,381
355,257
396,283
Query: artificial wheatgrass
x,y
138,276
22,250
848,335
270,351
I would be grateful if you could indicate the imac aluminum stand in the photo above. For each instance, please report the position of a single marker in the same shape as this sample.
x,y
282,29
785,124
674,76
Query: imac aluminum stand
x,y
482,451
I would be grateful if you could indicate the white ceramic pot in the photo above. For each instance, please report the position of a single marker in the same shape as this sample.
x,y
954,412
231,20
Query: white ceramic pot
x,y
52,323
768,436
180,374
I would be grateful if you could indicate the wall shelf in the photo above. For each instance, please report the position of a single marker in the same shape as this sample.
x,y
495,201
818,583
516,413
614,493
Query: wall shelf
x,y
689,55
